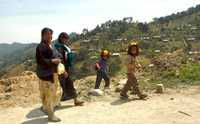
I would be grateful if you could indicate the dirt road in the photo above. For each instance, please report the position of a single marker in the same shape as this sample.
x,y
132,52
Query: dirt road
x,y
180,107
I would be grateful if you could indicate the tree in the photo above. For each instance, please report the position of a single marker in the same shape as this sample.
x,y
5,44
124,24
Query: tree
x,y
85,31
128,19
143,27
73,36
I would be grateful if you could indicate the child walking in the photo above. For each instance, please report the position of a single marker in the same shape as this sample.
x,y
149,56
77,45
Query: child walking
x,y
102,70
132,65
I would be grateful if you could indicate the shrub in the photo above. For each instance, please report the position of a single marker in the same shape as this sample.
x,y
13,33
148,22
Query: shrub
x,y
190,72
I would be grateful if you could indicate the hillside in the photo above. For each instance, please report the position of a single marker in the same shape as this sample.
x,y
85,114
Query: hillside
x,y
170,47
171,28
16,58
179,31
10,48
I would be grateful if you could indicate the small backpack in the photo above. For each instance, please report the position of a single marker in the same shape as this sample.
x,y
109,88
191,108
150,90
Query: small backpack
x,y
70,58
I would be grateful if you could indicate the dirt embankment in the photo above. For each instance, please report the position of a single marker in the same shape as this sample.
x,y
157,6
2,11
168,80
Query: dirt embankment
x,y
21,90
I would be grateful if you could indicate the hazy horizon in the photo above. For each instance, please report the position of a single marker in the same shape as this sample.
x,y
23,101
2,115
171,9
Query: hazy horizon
x,y
22,20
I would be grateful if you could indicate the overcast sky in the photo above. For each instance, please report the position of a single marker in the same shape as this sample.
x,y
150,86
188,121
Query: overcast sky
x,y
22,20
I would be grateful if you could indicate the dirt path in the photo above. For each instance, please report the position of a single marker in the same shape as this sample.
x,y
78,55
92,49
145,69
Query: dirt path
x,y
171,108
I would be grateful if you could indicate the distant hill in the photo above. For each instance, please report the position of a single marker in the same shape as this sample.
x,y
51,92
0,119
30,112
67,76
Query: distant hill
x,y
173,29
126,28
192,16
10,48
13,55
182,24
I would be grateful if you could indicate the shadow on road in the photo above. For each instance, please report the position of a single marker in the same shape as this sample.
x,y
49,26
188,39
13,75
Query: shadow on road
x,y
35,113
37,121
123,101
63,107
38,113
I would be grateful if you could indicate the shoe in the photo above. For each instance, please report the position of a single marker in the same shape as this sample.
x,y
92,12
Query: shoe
x,y
44,111
142,96
124,96
54,119
65,98
106,88
78,103
133,92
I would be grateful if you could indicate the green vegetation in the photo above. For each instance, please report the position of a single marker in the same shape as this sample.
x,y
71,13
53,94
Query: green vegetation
x,y
190,72
173,37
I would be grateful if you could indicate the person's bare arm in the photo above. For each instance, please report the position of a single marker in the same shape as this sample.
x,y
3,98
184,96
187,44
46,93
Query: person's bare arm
x,y
138,65
98,66
130,65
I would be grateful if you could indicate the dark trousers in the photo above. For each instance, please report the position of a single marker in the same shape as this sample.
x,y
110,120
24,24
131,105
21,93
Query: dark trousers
x,y
102,75
67,85
131,83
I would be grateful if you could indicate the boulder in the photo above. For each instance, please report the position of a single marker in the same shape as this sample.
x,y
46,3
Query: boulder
x,y
159,88
119,88
96,92
122,81
120,85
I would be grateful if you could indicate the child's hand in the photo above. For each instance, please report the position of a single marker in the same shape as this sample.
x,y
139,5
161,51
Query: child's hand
x,y
139,66
56,61
66,74
98,66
